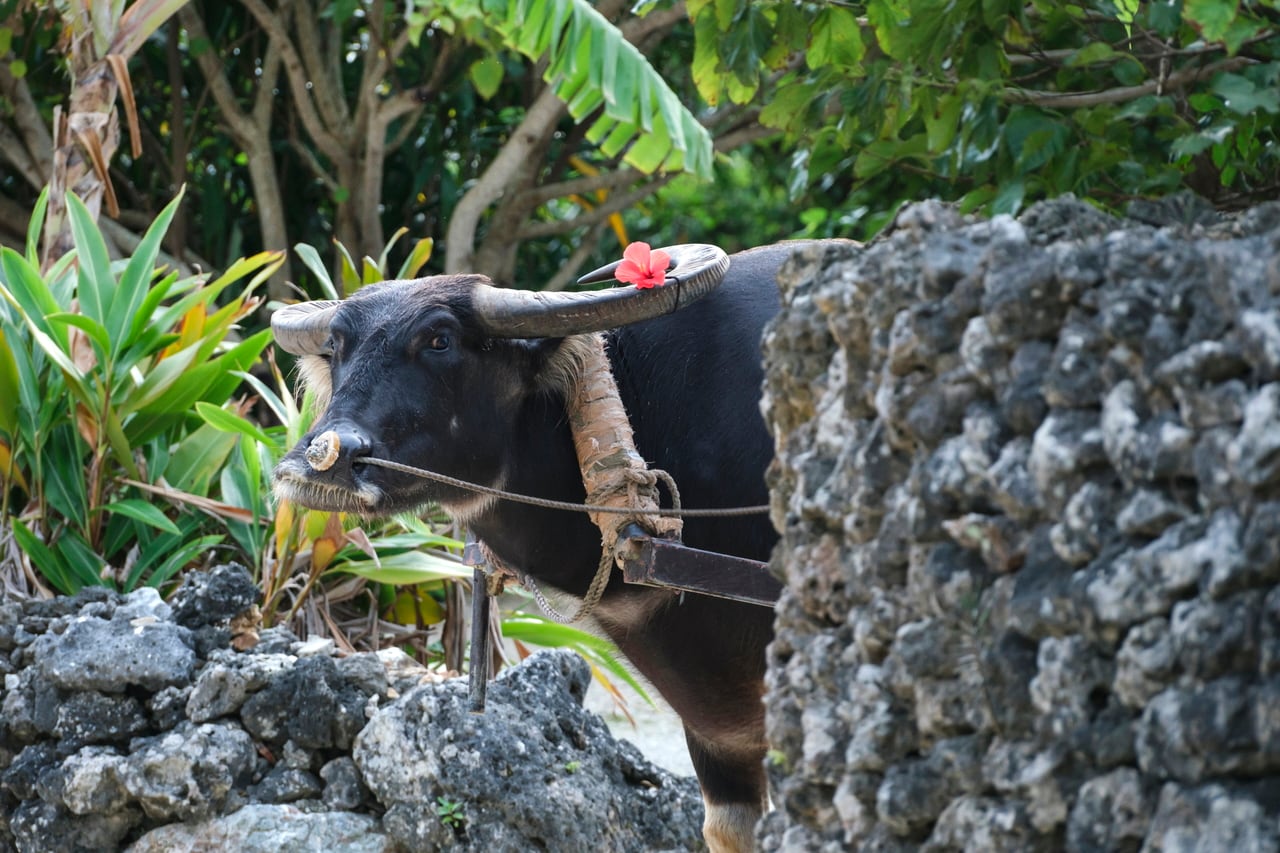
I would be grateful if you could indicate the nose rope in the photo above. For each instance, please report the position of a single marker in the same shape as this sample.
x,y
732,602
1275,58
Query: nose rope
x,y
676,512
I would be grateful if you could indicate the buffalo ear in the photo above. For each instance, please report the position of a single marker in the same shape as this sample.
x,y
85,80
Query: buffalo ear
x,y
551,364
314,372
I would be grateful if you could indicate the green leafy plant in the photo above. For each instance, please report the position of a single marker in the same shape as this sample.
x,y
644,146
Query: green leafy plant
x,y
524,628
451,813
592,67
104,459
997,104
405,559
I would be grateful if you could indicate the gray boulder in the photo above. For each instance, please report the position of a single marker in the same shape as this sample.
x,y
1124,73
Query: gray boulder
x,y
125,727
534,772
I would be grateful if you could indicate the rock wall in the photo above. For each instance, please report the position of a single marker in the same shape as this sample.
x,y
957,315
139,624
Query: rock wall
x,y
1029,483
132,723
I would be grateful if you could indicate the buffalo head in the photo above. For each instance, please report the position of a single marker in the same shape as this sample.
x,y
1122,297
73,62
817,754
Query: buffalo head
x,y
429,372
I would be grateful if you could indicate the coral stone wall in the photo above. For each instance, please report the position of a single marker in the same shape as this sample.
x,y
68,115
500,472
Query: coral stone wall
x,y
131,723
1029,483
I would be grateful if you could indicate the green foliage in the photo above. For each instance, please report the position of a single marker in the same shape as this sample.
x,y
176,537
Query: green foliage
x,y
997,104
601,654
105,360
451,813
600,76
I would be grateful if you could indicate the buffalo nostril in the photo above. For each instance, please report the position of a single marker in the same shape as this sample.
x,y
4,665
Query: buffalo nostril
x,y
329,446
323,451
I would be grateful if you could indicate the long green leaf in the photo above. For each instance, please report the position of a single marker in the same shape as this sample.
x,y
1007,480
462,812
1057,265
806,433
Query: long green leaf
x,y
173,561
417,258
198,458
35,225
76,380
29,386
96,282
404,569
85,564
279,407
120,447
132,289
63,472
539,631
150,302
214,381
590,64
311,259
91,327
170,316
140,510
9,393
50,565
228,422
25,289
163,376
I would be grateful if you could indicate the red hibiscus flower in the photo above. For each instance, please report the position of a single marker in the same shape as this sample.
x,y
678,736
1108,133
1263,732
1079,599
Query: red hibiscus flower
x,y
643,268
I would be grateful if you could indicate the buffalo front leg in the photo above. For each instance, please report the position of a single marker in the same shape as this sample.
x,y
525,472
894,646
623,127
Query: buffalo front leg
x,y
734,793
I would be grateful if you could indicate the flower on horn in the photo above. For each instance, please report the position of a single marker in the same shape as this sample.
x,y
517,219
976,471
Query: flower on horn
x,y
642,267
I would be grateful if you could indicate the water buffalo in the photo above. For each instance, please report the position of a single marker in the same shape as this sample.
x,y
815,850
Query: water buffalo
x,y
456,376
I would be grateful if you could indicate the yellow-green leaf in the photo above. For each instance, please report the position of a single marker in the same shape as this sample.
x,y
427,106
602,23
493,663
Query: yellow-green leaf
x,y
417,258
405,569
486,75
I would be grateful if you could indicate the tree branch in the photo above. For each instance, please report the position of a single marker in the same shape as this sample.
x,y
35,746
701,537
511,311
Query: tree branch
x,y
744,136
331,145
13,224
541,119
322,66
35,135
540,230
237,121
568,272
323,173
265,98
253,132
13,150
638,29
1122,94
578,186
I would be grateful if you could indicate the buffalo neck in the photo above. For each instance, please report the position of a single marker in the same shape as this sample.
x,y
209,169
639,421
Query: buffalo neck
x,y
552,546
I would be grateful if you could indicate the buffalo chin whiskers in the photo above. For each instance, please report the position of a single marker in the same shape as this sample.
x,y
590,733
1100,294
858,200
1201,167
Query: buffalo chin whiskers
x,y
303,492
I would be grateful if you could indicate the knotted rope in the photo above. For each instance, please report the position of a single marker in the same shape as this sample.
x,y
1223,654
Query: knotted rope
x,y
613,473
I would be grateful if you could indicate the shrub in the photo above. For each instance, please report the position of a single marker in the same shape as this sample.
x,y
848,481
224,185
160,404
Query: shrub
x,y
102,458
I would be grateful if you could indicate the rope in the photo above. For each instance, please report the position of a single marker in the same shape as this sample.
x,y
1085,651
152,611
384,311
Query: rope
x,y
635,479
589,601
495,581
546,503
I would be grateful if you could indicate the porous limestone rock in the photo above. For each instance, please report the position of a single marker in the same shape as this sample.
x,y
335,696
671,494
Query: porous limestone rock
x,y
1027,479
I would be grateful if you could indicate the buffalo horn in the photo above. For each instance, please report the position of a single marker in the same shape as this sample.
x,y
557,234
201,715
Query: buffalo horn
x,y
303,329
696,270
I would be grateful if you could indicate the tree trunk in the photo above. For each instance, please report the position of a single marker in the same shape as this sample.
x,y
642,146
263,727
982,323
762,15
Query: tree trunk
x,y
86,138
252,129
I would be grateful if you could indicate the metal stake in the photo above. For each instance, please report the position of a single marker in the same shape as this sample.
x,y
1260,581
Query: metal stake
x,y
481,653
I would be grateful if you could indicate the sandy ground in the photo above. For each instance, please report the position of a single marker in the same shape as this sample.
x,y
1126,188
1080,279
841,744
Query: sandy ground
x,y
657,730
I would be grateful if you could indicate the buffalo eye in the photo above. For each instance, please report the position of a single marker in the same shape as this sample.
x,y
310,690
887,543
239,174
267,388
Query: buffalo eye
x,y
439,343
